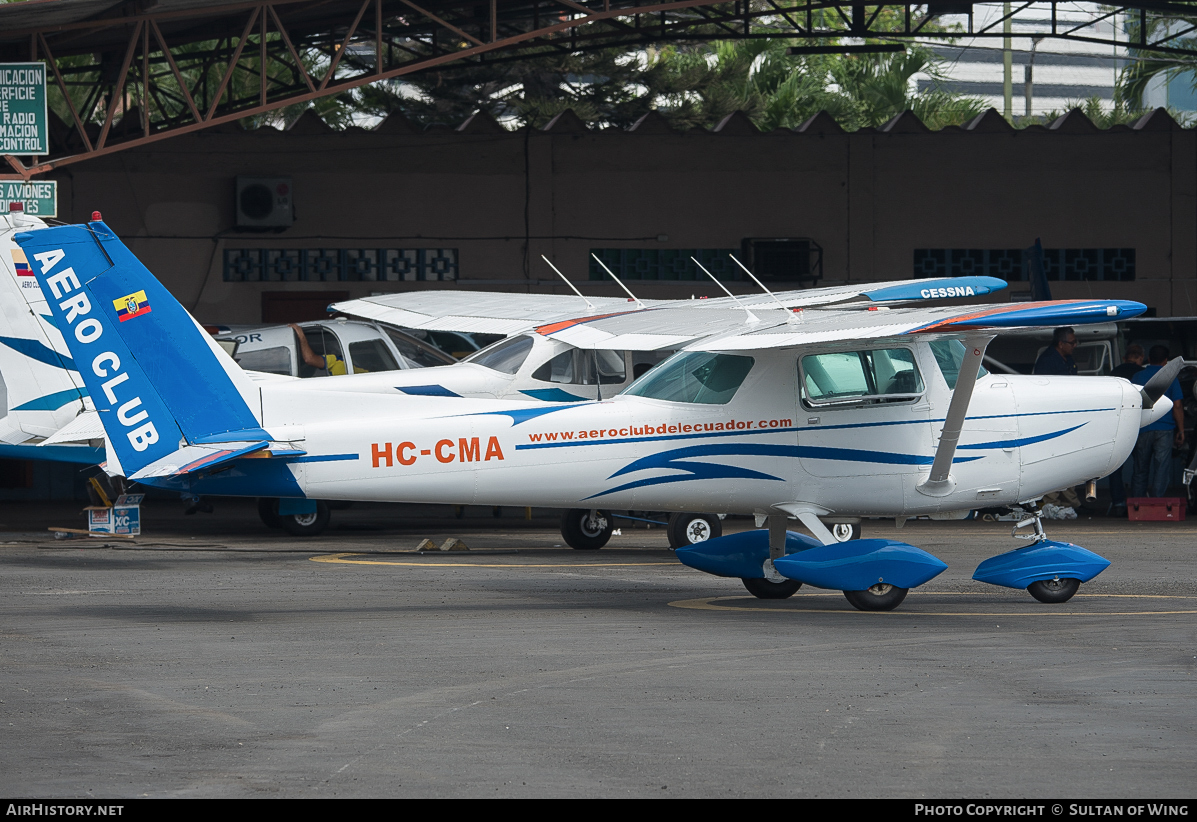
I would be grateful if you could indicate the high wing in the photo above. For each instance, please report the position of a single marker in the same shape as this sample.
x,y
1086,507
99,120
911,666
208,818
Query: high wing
x,y
734,329
490,312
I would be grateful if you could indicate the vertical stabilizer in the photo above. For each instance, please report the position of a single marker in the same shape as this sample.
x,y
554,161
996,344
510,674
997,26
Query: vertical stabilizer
x,y
153,374
1032,261
44,390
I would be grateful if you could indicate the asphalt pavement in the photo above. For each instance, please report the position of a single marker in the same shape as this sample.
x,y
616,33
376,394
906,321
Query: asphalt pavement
x,y
214,657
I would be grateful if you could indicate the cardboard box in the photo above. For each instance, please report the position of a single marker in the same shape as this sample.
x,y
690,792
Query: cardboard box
x,y
123,518
1156,509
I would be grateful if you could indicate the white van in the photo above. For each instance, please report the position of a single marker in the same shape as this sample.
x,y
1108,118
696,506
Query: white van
x,y
344,346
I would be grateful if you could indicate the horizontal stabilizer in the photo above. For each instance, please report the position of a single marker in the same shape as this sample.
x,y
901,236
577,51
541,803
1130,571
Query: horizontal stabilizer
x,y
83,428
191,458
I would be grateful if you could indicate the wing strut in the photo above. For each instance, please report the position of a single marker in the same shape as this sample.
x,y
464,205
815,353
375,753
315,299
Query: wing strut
x,y
940,482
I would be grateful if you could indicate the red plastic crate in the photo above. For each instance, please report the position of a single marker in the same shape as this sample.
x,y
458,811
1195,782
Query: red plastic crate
x,y
1155,509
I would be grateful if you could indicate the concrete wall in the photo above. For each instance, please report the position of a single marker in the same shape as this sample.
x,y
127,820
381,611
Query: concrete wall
x,y
869,198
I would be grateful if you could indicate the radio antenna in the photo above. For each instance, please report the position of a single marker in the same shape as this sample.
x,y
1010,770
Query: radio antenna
x,y
752,318
790,315
589,304
621,285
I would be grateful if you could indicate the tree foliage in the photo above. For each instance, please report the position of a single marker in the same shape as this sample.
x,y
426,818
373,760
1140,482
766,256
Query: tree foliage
x,y
691,86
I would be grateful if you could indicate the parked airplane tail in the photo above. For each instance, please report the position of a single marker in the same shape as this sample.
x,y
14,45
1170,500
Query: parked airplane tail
x,y
44,391
169,398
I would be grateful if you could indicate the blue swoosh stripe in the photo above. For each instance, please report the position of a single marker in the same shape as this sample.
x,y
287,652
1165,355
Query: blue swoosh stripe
x,y
322,458
51,402
519,415
705,470
1021,442
668,459
427,390
40,352
552,395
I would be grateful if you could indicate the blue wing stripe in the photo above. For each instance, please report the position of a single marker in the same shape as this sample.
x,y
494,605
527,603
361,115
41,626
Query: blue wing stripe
x,y
40,352
51,402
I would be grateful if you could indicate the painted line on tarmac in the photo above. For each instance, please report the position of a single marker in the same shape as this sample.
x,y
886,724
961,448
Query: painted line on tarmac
x,y
709,604
343,559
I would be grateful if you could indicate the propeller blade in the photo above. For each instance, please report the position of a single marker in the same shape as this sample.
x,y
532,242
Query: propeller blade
x,y
1160,380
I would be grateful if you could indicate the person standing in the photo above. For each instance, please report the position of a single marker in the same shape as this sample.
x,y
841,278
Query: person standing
x,y
1132,363
1057,357
1153,452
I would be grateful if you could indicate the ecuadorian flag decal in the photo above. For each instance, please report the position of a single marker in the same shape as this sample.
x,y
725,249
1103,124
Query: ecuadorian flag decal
x,y
20,263
131,305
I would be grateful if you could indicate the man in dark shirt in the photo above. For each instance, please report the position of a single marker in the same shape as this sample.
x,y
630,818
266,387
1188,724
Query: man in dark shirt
x,y
1057,357
1132,363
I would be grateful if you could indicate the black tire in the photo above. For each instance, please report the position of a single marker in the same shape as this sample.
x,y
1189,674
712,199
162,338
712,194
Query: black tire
x,y
881,597
691,529
844,531
306,525
764,589
268,512
583,533
1054,591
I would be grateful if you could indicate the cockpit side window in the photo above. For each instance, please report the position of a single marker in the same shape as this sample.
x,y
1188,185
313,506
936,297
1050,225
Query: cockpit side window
x,y
855,377
695,376
583,367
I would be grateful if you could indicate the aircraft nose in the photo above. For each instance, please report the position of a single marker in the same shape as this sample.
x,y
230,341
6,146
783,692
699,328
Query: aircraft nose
x,y
1152,413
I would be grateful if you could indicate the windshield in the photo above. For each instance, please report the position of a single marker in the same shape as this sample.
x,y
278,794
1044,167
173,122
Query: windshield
x,y
505,356
696,376
416,354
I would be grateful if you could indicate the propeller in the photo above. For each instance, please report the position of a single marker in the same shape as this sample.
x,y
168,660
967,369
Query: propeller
x,y
1160,380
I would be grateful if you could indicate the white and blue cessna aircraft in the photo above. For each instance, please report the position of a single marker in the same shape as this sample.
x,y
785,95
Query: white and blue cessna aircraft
x,y
51,411
765,411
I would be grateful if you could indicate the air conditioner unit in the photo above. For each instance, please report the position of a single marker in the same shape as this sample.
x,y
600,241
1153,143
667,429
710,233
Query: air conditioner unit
x,y
264,202
783,260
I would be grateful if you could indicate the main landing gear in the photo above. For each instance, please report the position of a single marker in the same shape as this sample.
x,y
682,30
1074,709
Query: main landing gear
x,y
587,530
880,597
1054,591
767,589
691,529
307,523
